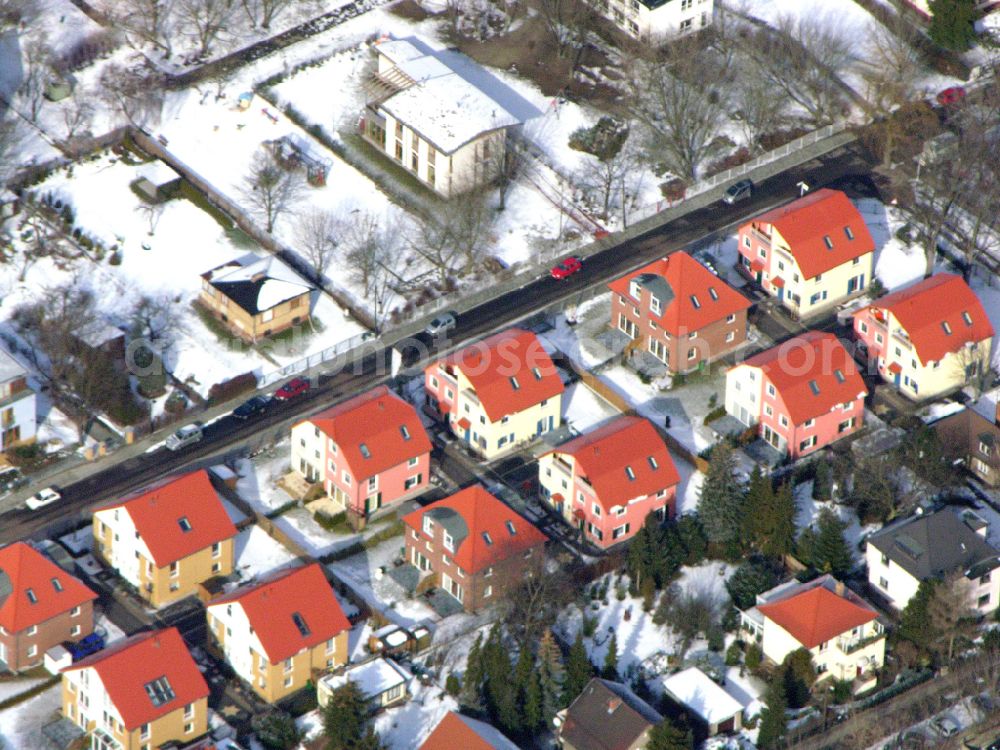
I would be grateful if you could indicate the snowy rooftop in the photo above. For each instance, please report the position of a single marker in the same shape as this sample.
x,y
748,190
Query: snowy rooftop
x,y
454,99
697,691
10,368
373,678
257,283
157,173
99,334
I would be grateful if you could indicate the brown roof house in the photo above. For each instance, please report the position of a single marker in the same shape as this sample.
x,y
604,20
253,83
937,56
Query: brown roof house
x,y
255,296
970,436
606,715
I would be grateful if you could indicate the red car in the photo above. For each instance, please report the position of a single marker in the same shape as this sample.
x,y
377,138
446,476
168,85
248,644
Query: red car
x,y
951,95
567,268
291,389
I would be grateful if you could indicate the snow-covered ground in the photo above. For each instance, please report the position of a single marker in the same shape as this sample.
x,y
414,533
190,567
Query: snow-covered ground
x,y
258,479
583,410
258,554
639,638
17,685
406,727
807,512
303,529
21,726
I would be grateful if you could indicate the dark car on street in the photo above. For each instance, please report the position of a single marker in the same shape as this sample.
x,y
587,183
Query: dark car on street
x,y
251,407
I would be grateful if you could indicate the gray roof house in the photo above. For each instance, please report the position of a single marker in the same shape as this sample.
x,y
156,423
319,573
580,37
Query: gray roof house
x,y
606,715
942,545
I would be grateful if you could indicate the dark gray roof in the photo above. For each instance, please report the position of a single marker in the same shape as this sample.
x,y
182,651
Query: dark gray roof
x,y
658,286
934,545
606,715
452,522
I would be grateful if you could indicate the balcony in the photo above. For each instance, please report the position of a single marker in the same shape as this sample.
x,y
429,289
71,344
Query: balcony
x,y
899,336
563,466
850,645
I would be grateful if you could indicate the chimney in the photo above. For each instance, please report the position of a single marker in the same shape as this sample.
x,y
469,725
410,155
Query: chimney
x,y
996,417
613,704
838,588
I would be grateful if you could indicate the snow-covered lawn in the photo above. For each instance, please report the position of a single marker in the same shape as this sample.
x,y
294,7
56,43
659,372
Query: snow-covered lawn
x,y
584,410
807,512
258,479
406,727
21,726
17,685
639,638
258,554
300,525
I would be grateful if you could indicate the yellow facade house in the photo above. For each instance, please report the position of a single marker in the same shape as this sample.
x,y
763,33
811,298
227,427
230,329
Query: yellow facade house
x,y
139,694
167,539
280,633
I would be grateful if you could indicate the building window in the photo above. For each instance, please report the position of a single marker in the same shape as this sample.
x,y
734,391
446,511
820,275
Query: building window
x,y
75,630
144,732
75,612
620,531
413,461
487,592
216,549
846,425
807,443
984,600
32,650
883,583
32,629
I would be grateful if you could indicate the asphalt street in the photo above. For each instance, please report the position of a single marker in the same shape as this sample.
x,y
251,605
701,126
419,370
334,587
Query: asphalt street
x,y
846,169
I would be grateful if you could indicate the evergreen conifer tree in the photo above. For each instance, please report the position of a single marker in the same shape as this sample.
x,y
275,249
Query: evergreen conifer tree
x,y
720,504
551,676
773,722
610,671
579,670
952,23
831,553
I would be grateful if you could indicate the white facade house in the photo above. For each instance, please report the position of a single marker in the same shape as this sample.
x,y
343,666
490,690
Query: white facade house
x,y
657,19
439,115
17,404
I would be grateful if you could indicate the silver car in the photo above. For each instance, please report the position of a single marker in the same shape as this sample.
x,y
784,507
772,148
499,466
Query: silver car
x,y
185,436
443,323
42,498
738,191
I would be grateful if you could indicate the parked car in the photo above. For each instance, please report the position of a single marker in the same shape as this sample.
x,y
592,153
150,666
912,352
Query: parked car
x,y
950,96
185,436
291,389
567,267
251,407
11,479
945,726
738,191
42,498
442,323
89,644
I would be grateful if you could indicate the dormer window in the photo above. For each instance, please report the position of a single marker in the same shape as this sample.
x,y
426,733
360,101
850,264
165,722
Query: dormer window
x,y
365,453
630,473
31,596
652,463
828,242
488,539
300,623
57,584
967,318
159,691
514,384
848,233
428,526
510,528
945,327
404,431
654,304
695,302
184,523
839,375
634,289
713,294
537,373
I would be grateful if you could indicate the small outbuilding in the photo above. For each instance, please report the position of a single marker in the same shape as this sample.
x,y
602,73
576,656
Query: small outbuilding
x,y
705,699
381,681
157,181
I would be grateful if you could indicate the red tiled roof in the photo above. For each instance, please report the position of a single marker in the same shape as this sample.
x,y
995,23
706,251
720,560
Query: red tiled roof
x,y
805,223
816,615
687,278
30,570
479,515
812,358
127,667
157,512
457,732
491,364
602,456
376,420
270,605
924,308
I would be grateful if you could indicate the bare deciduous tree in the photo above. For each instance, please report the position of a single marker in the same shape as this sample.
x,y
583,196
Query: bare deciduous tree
x,y
147,21
37,67
262,12
890,65
77,113
206,20
371,250
269,189
14,13
458,236
134,92
152,213
530,605
755,107
317,233
673,99
157,320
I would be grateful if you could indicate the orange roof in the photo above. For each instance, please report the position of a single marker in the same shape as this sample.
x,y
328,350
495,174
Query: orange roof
x,y
807,223
816,615
931,308
812,373
272,604
126,668
509,371
378,423
40,589
457,732
485,529
686,281
605,456
159,514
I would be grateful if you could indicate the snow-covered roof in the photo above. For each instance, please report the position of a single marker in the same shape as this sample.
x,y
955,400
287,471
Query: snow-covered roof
x,y
257,283
452,100
396,638
10,368
158,173
373,677
698,692
99,334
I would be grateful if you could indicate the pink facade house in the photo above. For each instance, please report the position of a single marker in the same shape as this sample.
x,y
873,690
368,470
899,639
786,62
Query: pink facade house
x,y
370,451
801,395
606,483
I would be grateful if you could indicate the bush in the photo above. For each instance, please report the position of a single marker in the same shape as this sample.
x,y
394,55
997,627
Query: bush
x,y
452,686
842,691
336,522
716,640
228,389
733,654
753,657
717,413
589,626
